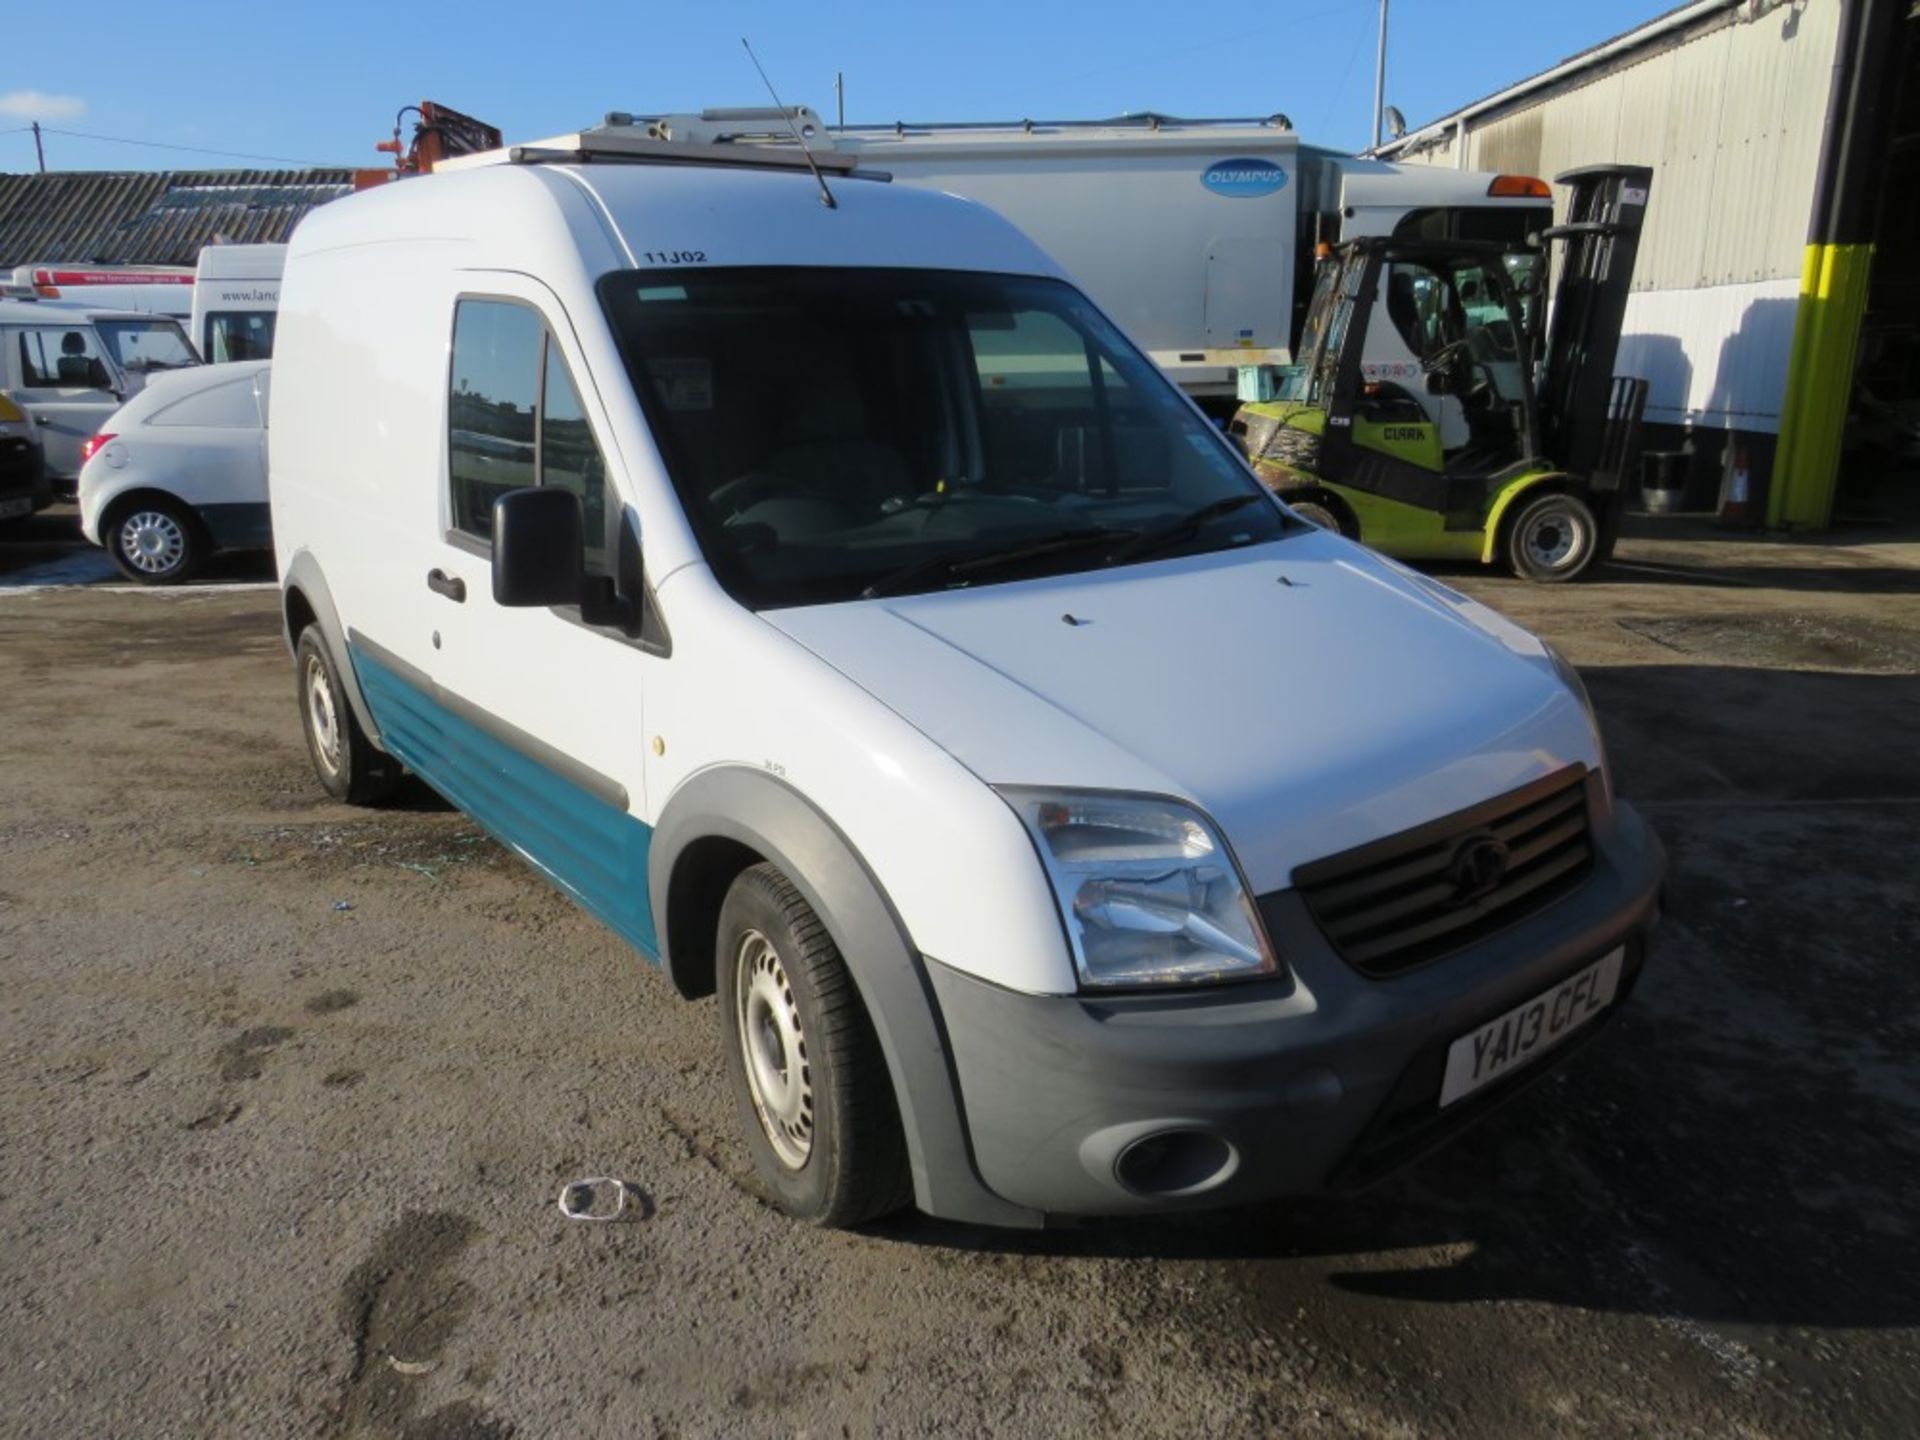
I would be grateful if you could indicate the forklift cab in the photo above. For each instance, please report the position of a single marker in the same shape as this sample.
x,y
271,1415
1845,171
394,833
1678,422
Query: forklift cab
x,y
1433,416
1420,355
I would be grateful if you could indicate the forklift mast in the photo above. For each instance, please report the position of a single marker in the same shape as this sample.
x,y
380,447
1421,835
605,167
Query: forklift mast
x,y
1588,423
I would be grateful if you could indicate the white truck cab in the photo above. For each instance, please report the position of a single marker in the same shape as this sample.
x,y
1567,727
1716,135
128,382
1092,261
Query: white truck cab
x,y
236,291
805,577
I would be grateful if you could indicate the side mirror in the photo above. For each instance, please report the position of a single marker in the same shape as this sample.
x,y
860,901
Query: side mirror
x,y
1439,382
537,559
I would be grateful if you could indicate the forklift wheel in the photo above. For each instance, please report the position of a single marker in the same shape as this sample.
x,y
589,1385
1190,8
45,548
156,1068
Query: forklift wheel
x,y
1316,513
1554,538
1328,511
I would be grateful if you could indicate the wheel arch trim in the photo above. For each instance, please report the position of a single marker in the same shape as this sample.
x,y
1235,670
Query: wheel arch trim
x,y
767,816
1505,502
304,578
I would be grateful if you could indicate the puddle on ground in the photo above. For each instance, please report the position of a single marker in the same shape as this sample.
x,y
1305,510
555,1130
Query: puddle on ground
x,y
1786,642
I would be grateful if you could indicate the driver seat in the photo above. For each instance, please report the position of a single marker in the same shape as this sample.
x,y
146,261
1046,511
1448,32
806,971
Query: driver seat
x,y
827,449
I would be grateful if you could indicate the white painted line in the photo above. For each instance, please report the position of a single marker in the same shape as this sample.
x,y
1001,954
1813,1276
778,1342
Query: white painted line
x,y
88,569
85,567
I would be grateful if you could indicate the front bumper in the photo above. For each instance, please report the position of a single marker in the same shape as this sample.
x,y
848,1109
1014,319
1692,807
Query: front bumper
x,y
1323,1081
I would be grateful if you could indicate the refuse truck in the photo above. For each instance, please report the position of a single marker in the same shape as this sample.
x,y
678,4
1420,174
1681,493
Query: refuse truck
x,y
1196,236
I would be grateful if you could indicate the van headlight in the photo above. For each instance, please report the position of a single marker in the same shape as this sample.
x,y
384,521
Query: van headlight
x,y
1570,677
1147,887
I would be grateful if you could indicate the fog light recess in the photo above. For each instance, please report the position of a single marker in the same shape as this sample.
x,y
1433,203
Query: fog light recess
x,y
1175,1162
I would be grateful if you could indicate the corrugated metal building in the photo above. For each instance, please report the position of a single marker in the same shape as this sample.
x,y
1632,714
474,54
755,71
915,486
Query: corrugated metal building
x,y
1761,119
153,218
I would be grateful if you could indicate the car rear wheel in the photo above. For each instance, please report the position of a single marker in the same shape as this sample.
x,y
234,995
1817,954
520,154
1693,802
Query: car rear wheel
x,y
808,1077
349,766
1553,538
155,541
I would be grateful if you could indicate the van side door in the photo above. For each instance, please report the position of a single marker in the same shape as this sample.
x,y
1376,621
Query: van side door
x,y
66,384
533,721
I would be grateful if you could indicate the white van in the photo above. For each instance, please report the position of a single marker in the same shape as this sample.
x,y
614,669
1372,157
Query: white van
x,y
236,290
69,367
152,289
812,583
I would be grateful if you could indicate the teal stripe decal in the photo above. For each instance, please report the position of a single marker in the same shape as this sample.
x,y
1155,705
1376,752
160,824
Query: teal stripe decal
x,y
594,852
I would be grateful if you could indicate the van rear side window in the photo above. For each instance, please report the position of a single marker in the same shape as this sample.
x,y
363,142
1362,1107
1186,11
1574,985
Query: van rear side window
x,y
58,359
515,419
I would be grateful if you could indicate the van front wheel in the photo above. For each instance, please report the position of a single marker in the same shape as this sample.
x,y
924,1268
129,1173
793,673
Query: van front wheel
x,y
349,766
806,1069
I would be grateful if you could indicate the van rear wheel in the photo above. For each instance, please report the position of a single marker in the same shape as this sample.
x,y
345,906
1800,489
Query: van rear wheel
x,y
808,1077
349,766
1553,538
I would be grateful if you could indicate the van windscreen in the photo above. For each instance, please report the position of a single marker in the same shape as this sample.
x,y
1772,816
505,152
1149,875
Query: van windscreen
x,y
837,433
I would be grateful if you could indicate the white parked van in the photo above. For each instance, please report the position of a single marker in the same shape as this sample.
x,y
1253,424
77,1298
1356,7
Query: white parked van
x,y
69,368
151,289
816,586
236,290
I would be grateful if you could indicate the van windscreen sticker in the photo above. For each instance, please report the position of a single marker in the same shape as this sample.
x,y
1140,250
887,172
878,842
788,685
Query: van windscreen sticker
x,y
682,383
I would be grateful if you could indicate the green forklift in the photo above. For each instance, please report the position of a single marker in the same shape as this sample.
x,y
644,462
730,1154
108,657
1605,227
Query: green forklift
x,y
1431,418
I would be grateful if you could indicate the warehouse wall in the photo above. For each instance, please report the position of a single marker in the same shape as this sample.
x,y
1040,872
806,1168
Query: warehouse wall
x,y
1731,118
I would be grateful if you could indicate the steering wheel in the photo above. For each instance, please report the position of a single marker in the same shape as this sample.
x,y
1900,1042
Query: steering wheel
x,y
746,490
1446,356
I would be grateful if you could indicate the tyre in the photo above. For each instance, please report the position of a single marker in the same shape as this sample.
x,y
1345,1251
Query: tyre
x,y
1322,508
1553,538
155,541
349,766
1316,513
810,1082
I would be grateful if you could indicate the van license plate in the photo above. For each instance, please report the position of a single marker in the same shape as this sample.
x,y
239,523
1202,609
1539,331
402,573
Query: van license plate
x,y
11,508
1527,1031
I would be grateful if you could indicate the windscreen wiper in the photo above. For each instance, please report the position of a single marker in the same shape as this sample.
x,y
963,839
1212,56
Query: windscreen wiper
x,y
1184,528
956,566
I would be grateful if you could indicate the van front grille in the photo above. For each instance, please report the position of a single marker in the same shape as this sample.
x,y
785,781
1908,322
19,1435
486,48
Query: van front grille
x,y
1413,897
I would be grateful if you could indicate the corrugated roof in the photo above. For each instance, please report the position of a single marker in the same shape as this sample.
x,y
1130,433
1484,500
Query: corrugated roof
x,y
153,217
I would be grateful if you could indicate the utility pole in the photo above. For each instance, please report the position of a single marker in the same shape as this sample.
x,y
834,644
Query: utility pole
x,y
840,98
38,148
1380,77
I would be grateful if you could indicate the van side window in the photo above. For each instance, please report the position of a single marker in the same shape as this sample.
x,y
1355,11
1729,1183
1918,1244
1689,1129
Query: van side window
x,y
516,420
491,412
570,459
55,359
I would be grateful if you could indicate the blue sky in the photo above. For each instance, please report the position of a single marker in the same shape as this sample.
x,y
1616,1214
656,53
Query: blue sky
x,y
319,82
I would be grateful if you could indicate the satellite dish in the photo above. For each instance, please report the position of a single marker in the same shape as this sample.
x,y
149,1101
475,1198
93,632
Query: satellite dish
x,y
1396,122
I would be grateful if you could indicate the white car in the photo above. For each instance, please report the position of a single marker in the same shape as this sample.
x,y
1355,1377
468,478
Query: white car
x,y
179,472
805,577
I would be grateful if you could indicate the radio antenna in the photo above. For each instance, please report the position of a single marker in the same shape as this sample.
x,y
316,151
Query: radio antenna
x,y
826,195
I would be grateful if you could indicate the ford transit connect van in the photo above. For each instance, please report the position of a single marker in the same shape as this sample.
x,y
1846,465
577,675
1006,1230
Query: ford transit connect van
x,y
806,578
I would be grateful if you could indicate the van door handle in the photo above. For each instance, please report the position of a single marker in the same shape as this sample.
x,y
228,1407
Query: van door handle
x,y
451,586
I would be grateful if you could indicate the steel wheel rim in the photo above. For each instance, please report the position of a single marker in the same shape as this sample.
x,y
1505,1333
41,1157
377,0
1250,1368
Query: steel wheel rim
x,y
323,721
1554,539
153,541
773,1049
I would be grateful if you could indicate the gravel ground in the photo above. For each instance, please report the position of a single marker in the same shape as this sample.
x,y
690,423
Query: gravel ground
x,y
287,1092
